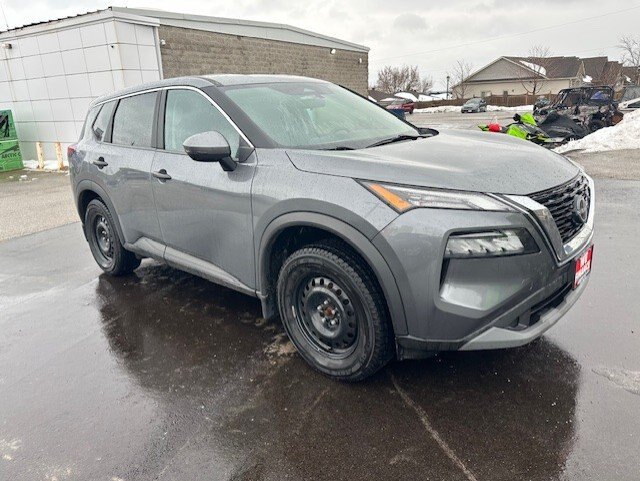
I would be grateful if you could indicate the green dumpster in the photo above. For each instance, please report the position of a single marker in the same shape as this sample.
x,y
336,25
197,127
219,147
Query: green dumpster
x,y
10,156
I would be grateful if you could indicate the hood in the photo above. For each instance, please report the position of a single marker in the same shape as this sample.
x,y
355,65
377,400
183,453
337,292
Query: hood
x,y
454,159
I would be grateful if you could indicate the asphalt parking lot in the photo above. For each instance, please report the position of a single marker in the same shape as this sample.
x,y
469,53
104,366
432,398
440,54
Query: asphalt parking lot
x,y
162,375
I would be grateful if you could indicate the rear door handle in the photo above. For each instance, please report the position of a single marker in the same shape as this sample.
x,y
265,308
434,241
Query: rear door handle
x,y
100,163
161,174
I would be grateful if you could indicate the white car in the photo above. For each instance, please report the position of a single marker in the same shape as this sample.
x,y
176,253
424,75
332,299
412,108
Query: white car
x,y
630,99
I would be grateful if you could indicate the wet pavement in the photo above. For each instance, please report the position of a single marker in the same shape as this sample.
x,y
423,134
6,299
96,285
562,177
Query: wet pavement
x,y
161,375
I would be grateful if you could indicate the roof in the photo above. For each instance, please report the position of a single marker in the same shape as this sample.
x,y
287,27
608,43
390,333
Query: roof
x,y
224,80
379,95
231,26
221,80
633,73
602,70
553,67
594,66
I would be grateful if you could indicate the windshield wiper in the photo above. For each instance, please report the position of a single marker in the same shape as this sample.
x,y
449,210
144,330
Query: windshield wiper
x,y
397,138
340,147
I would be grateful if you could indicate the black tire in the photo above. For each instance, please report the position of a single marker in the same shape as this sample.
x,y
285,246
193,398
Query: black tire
x,y
105,243
361,341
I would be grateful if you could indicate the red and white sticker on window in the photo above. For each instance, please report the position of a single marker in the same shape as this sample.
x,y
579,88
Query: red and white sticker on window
x,y
583,267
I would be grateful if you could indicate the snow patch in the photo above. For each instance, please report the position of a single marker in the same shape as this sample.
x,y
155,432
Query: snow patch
x,y
625,135
49,165
587,79
456,108
407,95
535,67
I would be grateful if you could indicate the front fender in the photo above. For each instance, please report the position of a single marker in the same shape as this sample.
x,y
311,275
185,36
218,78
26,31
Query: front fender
x,y
352,236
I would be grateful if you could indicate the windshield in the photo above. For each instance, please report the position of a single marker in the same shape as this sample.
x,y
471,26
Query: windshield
x,y
472,101
310,115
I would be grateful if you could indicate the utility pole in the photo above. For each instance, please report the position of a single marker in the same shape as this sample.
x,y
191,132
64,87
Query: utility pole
x,y
447,92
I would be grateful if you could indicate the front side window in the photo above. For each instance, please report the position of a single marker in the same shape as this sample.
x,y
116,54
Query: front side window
x,y
188,113
310,115
133,122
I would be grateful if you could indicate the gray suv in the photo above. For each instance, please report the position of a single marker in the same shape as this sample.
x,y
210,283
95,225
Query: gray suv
x,y
371,238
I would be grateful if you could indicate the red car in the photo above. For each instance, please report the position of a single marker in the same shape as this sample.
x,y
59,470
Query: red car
x,y
407,105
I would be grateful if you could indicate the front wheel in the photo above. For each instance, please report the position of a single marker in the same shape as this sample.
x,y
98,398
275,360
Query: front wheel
x,y
105,243
334,312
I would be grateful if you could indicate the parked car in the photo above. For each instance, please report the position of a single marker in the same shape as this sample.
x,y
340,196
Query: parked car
x,y
630,99
396,108
474,105
408,106
371,238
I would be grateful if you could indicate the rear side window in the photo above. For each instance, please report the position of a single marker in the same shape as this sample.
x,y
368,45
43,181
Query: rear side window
x,y
188,113
133,122
99,127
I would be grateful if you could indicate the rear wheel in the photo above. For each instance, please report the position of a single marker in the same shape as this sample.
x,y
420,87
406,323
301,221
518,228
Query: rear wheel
x,y
334,312
105,243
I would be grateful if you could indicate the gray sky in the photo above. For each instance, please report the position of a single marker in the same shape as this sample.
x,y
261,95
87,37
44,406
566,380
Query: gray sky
x,y
411,32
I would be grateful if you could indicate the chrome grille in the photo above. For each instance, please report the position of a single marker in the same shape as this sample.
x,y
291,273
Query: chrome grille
x,y
560,201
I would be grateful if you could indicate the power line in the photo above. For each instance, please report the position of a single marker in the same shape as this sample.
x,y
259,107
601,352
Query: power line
x,y
502,37
4,16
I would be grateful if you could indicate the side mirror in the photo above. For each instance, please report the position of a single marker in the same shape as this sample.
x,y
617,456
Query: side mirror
x,y
210,147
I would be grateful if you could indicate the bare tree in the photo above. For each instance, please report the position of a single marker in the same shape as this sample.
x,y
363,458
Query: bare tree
x,y
426,84
630,50
631,53
398,79
537,68
459,76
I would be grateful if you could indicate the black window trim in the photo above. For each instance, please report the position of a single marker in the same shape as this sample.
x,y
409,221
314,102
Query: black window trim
x,y
162,98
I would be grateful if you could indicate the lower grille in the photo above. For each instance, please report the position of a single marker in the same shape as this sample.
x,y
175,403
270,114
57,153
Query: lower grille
x,y
561,202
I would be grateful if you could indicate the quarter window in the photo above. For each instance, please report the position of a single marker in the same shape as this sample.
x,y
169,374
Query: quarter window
x,y
188,113
133,122
101,122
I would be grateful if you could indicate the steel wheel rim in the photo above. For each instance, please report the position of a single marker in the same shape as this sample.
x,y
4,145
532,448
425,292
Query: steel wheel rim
x,y
103,238
326,316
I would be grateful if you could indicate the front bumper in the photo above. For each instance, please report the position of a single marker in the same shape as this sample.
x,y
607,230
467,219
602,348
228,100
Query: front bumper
x,y
469,304
500,338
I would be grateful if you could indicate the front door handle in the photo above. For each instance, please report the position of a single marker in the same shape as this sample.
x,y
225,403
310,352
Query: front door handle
x,y
161,174
100,163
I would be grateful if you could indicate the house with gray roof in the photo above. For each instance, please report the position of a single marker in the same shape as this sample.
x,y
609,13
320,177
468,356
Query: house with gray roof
x,y
510,75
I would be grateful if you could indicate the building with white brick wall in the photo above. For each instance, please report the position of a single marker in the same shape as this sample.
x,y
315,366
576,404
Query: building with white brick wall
x,y
51,71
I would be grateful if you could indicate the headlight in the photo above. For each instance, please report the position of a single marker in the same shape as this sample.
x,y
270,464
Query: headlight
x,y
404,198
490,244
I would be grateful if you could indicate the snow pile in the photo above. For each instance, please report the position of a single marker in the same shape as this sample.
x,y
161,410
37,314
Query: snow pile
x,y
49,165
407,95
519,108
440,109
625,135
490,108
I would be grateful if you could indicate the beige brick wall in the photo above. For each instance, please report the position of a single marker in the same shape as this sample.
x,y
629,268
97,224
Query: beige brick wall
x,y
196,52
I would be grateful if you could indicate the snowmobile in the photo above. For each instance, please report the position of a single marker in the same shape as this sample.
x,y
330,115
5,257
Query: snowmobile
x,y
556,125
525,127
